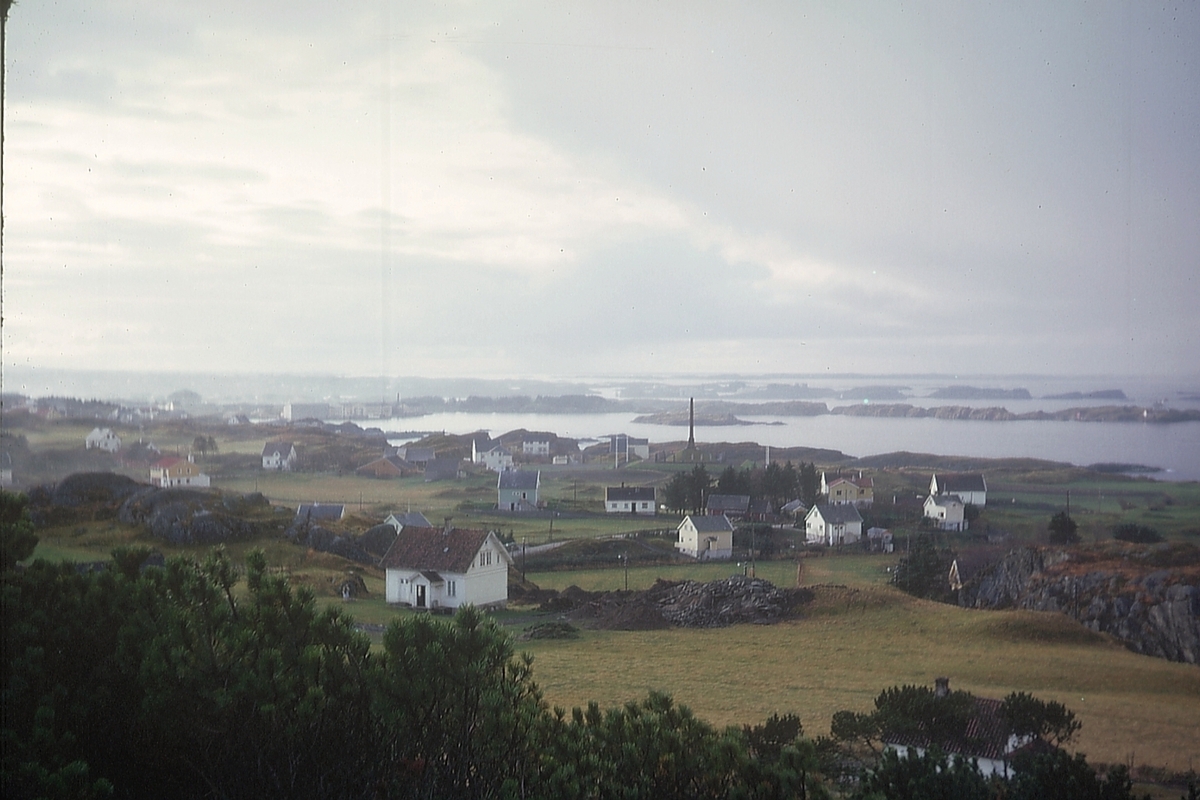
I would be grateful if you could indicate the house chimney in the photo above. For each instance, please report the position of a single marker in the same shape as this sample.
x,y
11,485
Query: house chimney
x,y
941,687
447,528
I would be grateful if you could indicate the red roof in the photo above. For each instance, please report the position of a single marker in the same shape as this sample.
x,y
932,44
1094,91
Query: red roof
x,y
986,735
422,549
167,461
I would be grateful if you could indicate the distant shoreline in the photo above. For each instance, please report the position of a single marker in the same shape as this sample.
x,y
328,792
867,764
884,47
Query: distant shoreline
x,y
728,415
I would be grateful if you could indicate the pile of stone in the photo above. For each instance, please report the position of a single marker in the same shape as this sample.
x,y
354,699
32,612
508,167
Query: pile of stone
x,y
733,601
688,604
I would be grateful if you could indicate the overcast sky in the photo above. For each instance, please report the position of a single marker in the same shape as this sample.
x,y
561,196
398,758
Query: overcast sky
x,y
618,188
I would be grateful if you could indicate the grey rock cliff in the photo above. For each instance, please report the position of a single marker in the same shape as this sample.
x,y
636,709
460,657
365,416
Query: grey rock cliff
x,y
1153,612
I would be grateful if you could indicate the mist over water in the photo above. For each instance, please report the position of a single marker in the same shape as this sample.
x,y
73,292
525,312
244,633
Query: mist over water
x,y
1174,448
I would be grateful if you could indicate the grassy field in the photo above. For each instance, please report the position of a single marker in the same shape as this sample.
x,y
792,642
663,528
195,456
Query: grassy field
x,y
856,642
859,637
862,636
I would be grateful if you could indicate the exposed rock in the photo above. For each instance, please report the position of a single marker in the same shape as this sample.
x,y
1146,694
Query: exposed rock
x,y
1153,611
378,539
187,516
314,536
82,488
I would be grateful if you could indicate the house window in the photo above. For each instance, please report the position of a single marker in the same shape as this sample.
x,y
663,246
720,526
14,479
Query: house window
x,y
451,589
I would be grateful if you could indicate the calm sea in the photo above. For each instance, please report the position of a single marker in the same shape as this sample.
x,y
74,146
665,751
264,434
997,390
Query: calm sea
x,y
1173,448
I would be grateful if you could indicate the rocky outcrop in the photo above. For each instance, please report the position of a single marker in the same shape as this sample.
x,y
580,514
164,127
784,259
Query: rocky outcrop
x,y
316,537
1155,611
191,516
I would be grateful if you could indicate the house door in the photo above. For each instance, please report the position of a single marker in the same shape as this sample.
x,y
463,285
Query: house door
x,y
420,595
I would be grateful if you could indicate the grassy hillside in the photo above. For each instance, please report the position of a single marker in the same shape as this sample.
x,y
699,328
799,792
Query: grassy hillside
x,y
856,642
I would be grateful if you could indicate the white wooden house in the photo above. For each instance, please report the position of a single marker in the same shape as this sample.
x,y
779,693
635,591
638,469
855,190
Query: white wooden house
x,y
706,537
946,511
986,740
494,456
517,489
970,488
630,500
535,447
833,525
446,568
102,439
279,456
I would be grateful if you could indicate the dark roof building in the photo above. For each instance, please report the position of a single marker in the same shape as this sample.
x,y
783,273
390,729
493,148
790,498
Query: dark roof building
x,y
616,494
985,738
320,511
434,549
731,505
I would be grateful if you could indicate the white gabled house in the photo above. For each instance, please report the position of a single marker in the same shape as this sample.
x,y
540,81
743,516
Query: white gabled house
x,y
970,488
102,439
832,525
279,456
446,568
706,537
946,511
409,519
517,489
494,457
986,741
630,500
535,447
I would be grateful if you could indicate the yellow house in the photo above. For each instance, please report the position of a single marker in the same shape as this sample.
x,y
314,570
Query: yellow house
x,y
848,490
173,471
706,537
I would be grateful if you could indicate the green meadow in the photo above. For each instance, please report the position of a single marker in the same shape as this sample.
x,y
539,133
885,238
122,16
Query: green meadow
x,y
858,637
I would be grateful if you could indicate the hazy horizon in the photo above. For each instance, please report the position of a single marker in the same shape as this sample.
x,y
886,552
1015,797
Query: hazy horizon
x,y
283,387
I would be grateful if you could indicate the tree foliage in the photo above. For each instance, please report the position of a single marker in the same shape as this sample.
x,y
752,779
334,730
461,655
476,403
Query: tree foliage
x,y
688,491
1026,715
925,570
1138,534
180,681
1064,777
17,539
1063,529
927,776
